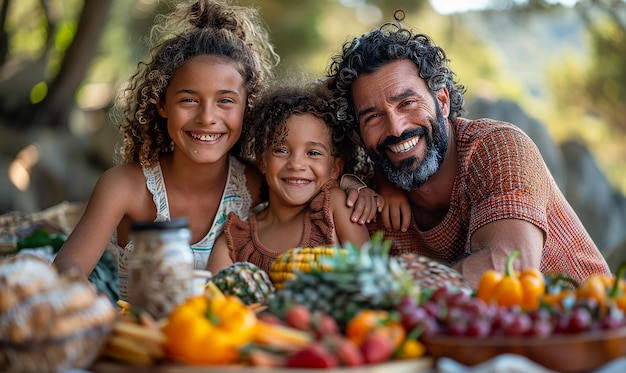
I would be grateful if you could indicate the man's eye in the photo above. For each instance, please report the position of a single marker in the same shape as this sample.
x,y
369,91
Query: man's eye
x,y
369,118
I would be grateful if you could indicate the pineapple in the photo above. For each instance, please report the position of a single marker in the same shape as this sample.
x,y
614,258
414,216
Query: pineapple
x,y
245,280
351,280
430,274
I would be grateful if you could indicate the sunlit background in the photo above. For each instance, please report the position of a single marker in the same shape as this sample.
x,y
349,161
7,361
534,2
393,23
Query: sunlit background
x,y
561,63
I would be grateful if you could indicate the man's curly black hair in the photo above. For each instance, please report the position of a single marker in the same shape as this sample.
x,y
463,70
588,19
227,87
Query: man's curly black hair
x,y
373,50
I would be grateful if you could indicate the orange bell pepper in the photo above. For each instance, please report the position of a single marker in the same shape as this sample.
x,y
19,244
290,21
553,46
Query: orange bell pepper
x,y
523,289
209,329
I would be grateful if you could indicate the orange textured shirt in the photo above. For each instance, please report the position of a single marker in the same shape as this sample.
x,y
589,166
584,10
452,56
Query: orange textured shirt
x,y
501,175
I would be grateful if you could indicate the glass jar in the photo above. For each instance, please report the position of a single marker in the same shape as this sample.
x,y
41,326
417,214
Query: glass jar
x,y
160,267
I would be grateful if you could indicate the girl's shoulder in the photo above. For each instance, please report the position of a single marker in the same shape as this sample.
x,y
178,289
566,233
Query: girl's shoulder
x,y
331,196
126,175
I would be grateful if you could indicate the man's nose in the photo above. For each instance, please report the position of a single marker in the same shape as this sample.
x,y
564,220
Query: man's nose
x,y
395,124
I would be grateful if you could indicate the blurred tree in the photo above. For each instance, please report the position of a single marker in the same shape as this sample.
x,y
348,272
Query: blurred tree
x,y
43,87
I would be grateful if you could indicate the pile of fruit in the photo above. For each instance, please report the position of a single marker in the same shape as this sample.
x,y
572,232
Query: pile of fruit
x,y
521,304
330,307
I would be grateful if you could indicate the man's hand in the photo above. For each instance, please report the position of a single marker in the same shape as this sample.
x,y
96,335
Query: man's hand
x,y
366,203
396,214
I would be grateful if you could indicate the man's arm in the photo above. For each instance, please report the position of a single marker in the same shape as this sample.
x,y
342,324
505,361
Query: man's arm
x,y
492,243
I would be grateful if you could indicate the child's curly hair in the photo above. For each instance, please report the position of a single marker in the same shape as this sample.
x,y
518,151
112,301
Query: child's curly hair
x,y
265,125
205,27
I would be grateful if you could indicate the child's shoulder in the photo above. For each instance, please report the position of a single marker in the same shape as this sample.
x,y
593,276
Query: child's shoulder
x,y
335,193
129,173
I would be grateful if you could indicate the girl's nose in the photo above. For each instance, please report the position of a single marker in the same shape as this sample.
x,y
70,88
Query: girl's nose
x,y
207,115
296,162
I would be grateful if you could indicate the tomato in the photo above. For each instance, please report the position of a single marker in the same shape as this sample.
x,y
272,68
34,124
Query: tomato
x,y
375,321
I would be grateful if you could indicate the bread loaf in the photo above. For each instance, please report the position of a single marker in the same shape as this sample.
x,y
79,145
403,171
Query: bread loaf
x,y
50,322
22,276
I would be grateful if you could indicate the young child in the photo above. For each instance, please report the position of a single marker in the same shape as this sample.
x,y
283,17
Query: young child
x,y
301,151
182,119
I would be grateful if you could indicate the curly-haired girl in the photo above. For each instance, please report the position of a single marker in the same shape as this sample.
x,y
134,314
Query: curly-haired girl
x,y
182,116
301,150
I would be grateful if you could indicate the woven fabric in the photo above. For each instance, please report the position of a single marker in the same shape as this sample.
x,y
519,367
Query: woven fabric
x,y
501,175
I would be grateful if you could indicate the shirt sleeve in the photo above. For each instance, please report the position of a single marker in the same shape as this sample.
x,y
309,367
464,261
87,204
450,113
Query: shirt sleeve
x,y
507,178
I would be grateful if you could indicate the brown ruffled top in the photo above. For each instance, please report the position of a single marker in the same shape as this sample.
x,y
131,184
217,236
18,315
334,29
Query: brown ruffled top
x,y
242,236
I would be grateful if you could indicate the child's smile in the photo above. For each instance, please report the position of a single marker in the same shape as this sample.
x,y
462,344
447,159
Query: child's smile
x,y
298,166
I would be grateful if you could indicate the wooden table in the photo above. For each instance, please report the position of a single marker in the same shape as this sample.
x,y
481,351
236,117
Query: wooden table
x,y
422,365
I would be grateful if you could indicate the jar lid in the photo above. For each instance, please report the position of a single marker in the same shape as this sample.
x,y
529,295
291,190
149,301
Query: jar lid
x,y
177,223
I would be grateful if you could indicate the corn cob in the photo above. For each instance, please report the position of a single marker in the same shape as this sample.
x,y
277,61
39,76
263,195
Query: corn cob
x,y
300,259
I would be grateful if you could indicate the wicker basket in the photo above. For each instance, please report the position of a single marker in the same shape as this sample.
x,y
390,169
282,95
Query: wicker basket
x,y
15,225
76,351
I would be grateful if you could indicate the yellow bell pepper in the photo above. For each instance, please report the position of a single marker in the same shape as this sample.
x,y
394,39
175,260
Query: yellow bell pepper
x,y
512,289
209,329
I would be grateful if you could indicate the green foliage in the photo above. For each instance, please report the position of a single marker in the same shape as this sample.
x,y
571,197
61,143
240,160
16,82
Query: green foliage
x,y
41,238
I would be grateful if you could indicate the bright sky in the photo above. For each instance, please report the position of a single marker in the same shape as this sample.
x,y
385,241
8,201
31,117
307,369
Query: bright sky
x,y
455,6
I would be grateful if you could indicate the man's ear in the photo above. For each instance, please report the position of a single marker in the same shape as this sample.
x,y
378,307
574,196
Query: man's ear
x,y
338,164
161,108
443,97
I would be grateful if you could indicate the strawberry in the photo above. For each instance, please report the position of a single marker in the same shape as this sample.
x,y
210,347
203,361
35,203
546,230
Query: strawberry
x,y
376,348
324,324
298,316
314,356
344,349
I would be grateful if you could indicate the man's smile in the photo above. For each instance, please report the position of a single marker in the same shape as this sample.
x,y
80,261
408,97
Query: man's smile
x,y
405,146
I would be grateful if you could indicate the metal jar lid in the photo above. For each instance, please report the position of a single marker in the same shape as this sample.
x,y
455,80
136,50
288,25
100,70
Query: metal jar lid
x,y
177,223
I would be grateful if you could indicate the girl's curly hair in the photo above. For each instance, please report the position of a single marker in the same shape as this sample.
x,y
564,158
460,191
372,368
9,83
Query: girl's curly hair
x,y
204,27
373,50
265,125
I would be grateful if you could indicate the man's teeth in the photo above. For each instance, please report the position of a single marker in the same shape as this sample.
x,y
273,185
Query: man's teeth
x,y
405,146
205,137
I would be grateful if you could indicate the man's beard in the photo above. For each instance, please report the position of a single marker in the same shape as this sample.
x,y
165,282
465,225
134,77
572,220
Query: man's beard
x,y
410,173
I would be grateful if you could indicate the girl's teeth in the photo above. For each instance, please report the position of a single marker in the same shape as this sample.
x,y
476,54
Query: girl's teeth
x,y
205,137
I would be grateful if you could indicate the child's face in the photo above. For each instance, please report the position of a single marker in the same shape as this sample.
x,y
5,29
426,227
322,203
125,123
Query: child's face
x,y
297,167
204,106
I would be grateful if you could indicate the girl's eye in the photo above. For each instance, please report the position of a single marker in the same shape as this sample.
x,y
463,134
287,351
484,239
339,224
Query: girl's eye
x,y
188,99
279,151
227,101
315,152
